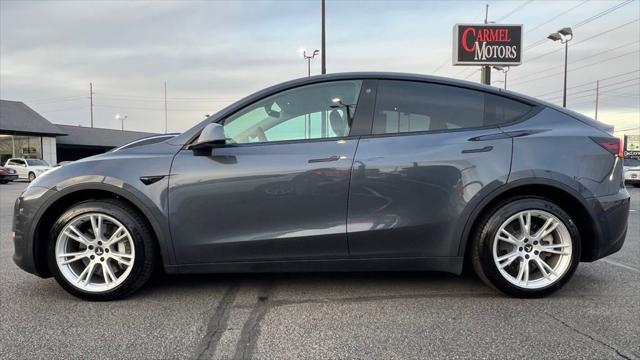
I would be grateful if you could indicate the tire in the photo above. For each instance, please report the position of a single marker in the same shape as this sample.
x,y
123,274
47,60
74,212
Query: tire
x,y
32,176
3,182
131,260
560,249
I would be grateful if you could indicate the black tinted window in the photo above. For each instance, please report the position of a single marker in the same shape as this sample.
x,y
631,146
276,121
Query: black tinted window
x,y
404,106
500,110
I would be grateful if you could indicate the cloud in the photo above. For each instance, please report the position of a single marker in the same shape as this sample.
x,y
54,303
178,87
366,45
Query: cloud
x,y
212,52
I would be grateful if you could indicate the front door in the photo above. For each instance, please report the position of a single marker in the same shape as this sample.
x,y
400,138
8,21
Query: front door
x,y
278,189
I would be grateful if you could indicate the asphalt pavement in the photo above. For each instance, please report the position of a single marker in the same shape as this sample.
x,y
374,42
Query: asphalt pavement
x,y
318,316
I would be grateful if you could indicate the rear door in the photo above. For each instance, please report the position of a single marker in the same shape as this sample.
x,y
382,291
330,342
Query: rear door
x,y
433,148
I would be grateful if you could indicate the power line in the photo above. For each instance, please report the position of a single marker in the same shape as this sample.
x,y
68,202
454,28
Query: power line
x,y
584,22
576,68
560,49
514,11
67,108
599,15
591,92
557,16
162,98
471,74
601,87
146,108
590,82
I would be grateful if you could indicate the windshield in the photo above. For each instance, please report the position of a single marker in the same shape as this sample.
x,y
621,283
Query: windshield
x,y
631,162
36,162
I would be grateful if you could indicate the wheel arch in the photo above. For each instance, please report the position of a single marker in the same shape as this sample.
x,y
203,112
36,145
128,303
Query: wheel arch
x,y
68,197
566,197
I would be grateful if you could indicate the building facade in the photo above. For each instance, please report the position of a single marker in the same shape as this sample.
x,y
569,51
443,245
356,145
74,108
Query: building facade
x,y
26,134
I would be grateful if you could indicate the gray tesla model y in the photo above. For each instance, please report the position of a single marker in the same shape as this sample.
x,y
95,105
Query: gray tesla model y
x,y
342,172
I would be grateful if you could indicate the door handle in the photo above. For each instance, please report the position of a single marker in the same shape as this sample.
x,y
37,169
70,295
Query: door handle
x,y
484,149
327,159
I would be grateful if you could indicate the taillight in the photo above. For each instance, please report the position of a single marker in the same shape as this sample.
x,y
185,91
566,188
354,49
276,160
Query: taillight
x,y
2,171
612,145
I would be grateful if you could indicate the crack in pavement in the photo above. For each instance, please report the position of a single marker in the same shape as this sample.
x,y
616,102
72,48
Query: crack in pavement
x,y
620,354
251,328
217,324
358,299
621,264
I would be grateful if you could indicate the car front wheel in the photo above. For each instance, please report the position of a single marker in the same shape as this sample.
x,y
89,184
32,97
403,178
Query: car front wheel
x,y
32,176
101,250
526,247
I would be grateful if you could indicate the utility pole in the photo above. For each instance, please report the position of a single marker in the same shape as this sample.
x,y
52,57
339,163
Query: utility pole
x,y
91,101
323,50
165,107
485,76
597,97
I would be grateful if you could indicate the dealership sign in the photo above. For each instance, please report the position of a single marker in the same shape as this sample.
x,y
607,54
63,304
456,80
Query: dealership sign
x,y
632,146
487,44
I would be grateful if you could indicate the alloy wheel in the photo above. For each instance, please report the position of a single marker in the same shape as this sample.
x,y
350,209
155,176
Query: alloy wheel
x,y
95,252
532,249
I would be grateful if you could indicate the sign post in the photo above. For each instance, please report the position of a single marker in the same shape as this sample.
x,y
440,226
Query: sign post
x,y
487,45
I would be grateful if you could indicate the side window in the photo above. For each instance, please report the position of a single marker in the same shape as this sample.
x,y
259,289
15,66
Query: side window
x,y
324,110
500,110
405,106
17,162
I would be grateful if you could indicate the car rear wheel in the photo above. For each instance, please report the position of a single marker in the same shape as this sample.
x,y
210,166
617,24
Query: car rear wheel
x,y
101,250
526,247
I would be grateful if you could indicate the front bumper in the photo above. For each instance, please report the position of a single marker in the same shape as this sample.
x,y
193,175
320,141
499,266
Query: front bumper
x,y
27,211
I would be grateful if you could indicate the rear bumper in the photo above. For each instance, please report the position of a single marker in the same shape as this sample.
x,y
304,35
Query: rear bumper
x,y
610,214
8,177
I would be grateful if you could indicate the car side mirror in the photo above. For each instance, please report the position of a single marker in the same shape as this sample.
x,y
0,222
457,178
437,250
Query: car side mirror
x,y
211,136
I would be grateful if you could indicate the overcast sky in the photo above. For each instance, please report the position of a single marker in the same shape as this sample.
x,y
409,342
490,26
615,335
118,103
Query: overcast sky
x,y
211,53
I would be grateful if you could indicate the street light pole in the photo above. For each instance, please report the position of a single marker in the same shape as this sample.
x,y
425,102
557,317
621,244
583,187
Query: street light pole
x,y
597,97
323,69
564,91
122,118
505,70
563,35
303,52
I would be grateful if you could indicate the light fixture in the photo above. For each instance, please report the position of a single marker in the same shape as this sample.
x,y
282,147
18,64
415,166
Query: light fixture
x,y
555,36
566,31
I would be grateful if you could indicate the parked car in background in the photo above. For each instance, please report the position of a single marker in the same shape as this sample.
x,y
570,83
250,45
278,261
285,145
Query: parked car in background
x,y
339,172
7,175
632,171
28,169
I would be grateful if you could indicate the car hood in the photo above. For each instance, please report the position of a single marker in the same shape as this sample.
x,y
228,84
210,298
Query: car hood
x,y
40,167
